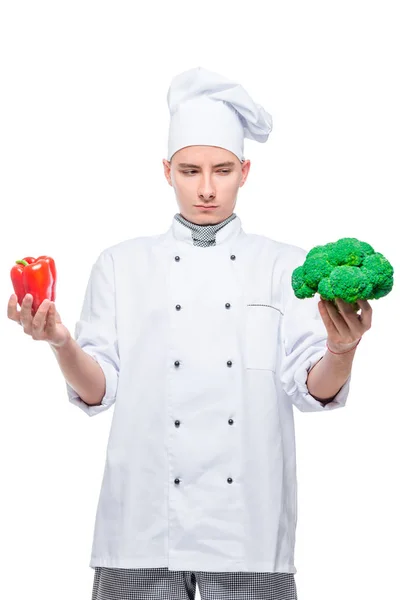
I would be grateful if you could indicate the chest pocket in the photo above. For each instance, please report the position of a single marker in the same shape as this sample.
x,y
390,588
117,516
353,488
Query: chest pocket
x,y
261,336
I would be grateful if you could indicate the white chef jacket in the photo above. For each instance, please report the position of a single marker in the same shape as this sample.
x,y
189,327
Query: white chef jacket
x,y
205,351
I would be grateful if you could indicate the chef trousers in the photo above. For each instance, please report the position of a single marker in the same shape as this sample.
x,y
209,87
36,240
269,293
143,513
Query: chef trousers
x,y
162,584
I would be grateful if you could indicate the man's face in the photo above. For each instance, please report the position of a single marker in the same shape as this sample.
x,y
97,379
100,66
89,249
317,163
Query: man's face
x,y
201,177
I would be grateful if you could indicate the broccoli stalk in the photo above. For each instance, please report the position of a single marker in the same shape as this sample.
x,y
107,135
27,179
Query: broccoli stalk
x,y
348,269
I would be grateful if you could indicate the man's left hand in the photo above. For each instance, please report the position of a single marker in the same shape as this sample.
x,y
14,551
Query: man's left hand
x,y
343,325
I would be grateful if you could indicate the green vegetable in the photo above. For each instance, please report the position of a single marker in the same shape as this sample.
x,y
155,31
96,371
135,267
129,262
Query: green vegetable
x,y
347,269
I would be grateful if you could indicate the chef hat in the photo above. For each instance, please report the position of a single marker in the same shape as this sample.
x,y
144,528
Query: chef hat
x,y
209,110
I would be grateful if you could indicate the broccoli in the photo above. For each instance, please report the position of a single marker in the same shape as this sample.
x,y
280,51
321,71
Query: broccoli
x,y
347,269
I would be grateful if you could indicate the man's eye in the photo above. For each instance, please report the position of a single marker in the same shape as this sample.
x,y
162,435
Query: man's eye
x,y
220,171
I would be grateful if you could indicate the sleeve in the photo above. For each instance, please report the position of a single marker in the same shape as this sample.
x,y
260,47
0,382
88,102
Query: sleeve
x,y
304,339
96,333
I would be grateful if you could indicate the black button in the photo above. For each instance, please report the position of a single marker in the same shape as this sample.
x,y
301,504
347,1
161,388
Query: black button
x,y
230,421
177,423
178,307
229,363
233,257
177,363
177,258
229,480
227,305
177,480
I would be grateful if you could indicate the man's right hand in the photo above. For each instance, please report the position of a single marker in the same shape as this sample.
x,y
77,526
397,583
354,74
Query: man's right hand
x,y
44,325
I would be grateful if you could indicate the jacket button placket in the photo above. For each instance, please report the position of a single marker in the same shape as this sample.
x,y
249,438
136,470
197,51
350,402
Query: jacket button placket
x,y
177,363
229,363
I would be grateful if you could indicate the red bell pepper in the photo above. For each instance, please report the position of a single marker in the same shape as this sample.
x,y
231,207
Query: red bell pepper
x,y
36,276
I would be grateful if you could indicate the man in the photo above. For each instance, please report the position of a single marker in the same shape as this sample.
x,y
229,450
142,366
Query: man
x,y
204,350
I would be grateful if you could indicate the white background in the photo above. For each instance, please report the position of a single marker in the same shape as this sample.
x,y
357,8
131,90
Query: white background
x,y
84,123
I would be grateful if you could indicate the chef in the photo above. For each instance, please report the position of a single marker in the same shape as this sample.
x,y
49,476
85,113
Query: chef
x,y
206,351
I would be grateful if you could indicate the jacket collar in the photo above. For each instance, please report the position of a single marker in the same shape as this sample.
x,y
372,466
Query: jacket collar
x,y
225,231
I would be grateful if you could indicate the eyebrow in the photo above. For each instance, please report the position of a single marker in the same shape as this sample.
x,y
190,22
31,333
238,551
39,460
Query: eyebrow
x,y
189,165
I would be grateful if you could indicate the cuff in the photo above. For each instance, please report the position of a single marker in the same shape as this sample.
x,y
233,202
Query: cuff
x,y
108,399
307,402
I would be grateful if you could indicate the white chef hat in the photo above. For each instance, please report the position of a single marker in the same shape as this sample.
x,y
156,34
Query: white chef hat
x,y
209,110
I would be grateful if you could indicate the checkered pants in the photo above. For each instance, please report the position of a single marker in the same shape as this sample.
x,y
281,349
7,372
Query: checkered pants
x,y
162,584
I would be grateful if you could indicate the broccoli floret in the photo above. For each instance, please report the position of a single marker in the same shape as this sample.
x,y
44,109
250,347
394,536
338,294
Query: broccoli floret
x,y
347,269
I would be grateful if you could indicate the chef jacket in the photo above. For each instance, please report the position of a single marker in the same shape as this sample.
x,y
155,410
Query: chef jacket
x,y
205,352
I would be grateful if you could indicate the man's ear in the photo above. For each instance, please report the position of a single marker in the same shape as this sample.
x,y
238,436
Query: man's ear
x,y
167,170
245,171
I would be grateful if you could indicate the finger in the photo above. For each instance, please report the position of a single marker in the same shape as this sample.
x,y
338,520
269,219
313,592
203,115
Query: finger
x,y
39,320
12,311
329,324
51,318
349,316
365,317
340,324
25,315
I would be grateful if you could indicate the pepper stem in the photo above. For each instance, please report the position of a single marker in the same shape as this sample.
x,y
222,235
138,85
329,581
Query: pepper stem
x,y
21,262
